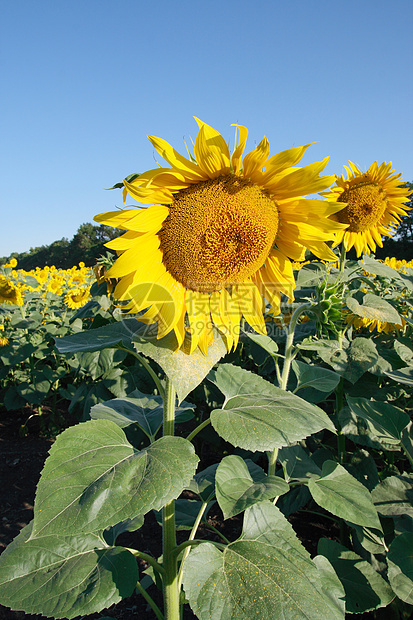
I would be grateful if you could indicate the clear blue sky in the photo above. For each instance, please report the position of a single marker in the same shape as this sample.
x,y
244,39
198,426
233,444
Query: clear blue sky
x,y
84,81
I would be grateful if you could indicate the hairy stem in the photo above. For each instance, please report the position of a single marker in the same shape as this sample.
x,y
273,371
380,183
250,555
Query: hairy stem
x,y
170,578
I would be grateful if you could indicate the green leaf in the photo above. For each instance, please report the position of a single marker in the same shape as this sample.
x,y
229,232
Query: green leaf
x,y
96,363
259,416
282,580
363,467
65,576
240,484
344,496
144,410
386,418
365,433
394,496
266,342
100,338
321,379
362,356
404,352
297,464
365,589
311,275
400,562
185,371
374,307
330,352
407,441
403,375
95,478
385,271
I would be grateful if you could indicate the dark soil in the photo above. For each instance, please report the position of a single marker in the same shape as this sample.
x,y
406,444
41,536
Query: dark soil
x,y
21,461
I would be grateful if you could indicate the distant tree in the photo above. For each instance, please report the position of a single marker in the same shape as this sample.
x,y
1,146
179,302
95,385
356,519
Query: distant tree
x,y
86,245
401,244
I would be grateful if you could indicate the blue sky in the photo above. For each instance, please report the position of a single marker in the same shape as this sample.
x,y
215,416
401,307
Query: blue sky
x,y
84,82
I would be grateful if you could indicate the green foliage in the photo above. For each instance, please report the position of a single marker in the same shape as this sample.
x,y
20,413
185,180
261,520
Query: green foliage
x,y
293,423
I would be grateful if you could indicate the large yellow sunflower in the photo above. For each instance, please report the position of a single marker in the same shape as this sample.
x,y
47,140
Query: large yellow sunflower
x,y
218,238
374,205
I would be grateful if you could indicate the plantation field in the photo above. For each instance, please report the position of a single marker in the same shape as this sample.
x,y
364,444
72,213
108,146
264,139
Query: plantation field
x,y
324,463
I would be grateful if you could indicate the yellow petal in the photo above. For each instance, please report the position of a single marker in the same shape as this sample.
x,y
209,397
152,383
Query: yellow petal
x,y
130,260
211,151
251,305
255,160
190,169
237,154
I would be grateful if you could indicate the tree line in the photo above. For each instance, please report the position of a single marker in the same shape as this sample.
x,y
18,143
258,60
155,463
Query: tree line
x,y
87,245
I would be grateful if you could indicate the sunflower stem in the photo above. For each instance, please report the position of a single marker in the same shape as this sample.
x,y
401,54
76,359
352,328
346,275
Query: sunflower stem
x,y
342,265
198,429
170,578
289,354
272,461
150,602
191,537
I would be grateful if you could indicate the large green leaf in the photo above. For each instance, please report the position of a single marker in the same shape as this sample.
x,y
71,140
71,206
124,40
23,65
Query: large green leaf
x,y
259,416
365,433
362,356
185,371
344,496
394,496
330,352
241,484
320,379
265,574
95,478
380,269
96,363
65,576
100,338
374,307
400,562
297,464
365,588
384,417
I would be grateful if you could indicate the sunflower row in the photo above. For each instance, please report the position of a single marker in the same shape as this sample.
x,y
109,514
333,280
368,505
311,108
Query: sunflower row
x,y
72,284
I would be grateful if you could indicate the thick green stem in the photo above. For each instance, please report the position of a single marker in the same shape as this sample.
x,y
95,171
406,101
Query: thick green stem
x,y
341,440
289,355
170,578
342,265
272,460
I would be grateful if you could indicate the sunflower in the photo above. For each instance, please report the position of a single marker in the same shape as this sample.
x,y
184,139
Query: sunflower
x,y
375,201
77,297
9,292
218,237
372,324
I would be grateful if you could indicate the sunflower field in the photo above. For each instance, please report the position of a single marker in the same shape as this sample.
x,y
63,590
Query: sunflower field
x,y
230,358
